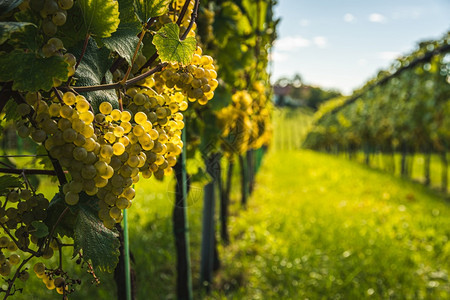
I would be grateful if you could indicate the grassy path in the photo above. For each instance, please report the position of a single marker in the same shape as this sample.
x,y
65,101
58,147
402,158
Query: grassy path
x,y
321,227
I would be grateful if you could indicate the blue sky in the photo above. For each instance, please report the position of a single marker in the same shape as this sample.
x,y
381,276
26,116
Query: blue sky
x,y
342,43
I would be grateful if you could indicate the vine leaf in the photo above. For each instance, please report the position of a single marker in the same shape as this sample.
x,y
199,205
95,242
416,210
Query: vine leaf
x,y
101,17
7,5
147,9
93,67
31,73
55,209
100,245
169,46
8,28
41,229
124,41
7,182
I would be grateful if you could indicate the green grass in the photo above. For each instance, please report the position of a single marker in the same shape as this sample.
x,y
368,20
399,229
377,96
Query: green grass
x,y
317,227
320,227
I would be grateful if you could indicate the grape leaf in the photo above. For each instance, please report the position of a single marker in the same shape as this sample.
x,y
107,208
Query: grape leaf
x,y
30,72
7,182
41,229
66,224
100,245
146,9
123,41
92,69
7,5
7,28
169,46
101,17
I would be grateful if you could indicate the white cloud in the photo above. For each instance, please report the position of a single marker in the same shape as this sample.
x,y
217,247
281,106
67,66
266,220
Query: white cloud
x,y
320,41
290,43
278,57
304,22
349,18
377,18
389,55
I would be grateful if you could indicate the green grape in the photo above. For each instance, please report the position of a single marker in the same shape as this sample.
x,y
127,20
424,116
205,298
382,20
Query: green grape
x,y
12,197
69,135
25,194
48,252
59,282
82,105
5,269
57,43
49,28
66,111
127,127
39,136
65,4
140,117
24,276
118,148
119,131
79,153
122,203
116,114
14,259
64,124
71,198
115,213
138,130
59,18
88,172
106,151
23,131
50,7
108,173
105,108
70,58
129,193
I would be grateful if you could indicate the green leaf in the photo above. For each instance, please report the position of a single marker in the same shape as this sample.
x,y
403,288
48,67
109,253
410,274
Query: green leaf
x,y
30,72
147,9
100,17
169,46
41,229
8,28
66,224
7,5
7,182
127,13
99,244
124,41
93,67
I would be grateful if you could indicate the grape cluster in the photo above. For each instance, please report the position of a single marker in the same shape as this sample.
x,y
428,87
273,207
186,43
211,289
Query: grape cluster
x,y
20,207
106,153
197,81
53,13
54,279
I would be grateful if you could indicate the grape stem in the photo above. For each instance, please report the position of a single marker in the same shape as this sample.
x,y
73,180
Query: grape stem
x,y
117,85
18,271
193,18
124,80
